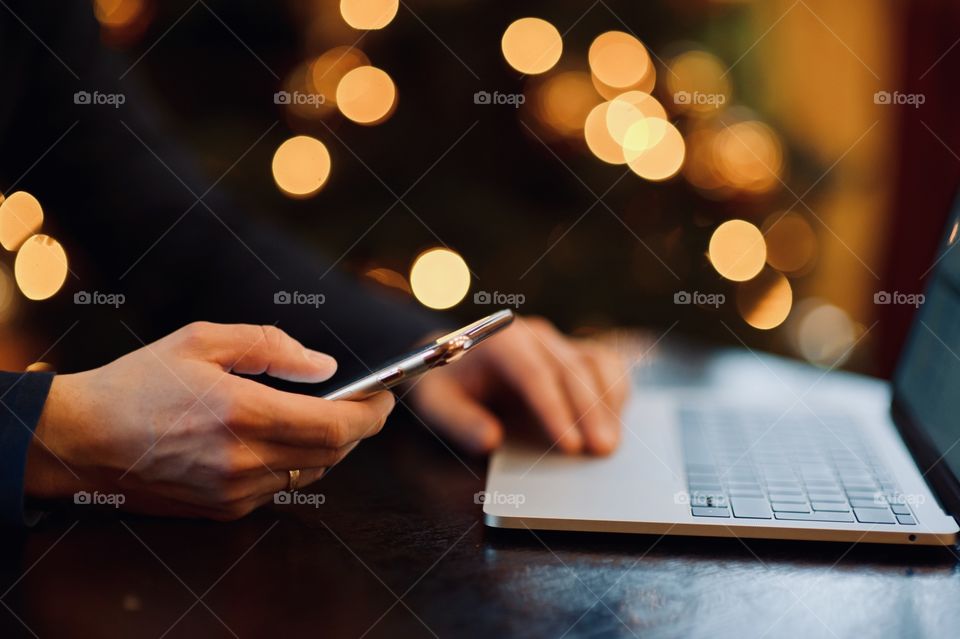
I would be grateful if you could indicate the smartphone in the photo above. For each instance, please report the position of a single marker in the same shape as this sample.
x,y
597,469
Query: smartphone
x,y
448,348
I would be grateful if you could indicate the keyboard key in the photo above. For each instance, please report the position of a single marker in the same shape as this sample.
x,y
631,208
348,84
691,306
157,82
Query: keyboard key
x,y
708,500
836,497
831,506
700,511
868,503
789,507
705,487
816,516
906,520
900,509
748,508
874,516
790,498
748,494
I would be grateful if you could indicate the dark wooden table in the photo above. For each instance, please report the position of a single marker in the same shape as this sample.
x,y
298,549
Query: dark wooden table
x,y
399,549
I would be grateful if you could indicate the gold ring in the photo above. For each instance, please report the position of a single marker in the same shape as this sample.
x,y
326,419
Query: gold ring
x,y
294,480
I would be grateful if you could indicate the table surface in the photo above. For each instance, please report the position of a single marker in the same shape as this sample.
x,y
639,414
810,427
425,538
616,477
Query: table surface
x,y
398,548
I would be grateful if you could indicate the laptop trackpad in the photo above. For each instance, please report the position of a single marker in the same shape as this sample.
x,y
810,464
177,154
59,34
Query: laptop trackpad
x,y
641,481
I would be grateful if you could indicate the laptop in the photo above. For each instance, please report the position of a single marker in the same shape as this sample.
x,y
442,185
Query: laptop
x,y
733,443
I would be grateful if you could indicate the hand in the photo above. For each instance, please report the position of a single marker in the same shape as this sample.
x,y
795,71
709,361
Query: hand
x,y
175,431
575,389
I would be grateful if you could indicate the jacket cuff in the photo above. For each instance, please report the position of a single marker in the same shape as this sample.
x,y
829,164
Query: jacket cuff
x,y
22,396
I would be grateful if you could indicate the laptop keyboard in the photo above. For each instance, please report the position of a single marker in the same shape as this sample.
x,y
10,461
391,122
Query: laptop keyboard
x,y
755,464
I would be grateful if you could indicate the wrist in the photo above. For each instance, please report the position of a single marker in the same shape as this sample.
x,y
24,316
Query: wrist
x,y
54,459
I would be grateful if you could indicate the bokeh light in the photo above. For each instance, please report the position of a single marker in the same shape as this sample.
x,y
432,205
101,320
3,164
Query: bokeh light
x,y
598,138
618,60
116,14
697,83
749,156
562,102
326,71
737,250
301,166
366,95
368,14
531,45
439,278
629,108
825,334
765,301
20,217
791,243
41,267
654,149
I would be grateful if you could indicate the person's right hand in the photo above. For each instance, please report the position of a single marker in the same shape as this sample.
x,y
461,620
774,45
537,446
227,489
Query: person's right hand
x,y
176,432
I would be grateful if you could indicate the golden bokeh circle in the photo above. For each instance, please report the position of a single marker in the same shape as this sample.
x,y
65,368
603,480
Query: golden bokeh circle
x,y
531,45
41,267
765,301
628,108
618,60
301,166
598,138
439,278
562,102
737,250
366,95
654,149
20,217
368,14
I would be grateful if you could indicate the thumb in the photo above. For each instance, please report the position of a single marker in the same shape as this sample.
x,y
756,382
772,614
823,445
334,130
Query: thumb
x,y
444,403
252,350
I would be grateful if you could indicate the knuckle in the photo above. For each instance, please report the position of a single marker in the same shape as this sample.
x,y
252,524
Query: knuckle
x,y
337,433
273,337
195,333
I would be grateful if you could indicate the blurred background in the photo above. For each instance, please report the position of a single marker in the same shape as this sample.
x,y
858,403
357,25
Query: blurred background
x,y
751,172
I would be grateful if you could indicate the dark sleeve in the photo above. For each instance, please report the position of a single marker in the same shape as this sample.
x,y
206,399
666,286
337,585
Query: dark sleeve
x,y
138,216
22,396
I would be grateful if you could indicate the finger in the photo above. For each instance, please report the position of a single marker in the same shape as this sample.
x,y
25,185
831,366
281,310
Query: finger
x,y
303,420
535,379
252,350
283,457
600,431
442,401
612,372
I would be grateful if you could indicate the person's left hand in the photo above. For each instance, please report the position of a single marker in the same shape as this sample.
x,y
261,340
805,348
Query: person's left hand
x,y
574,387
